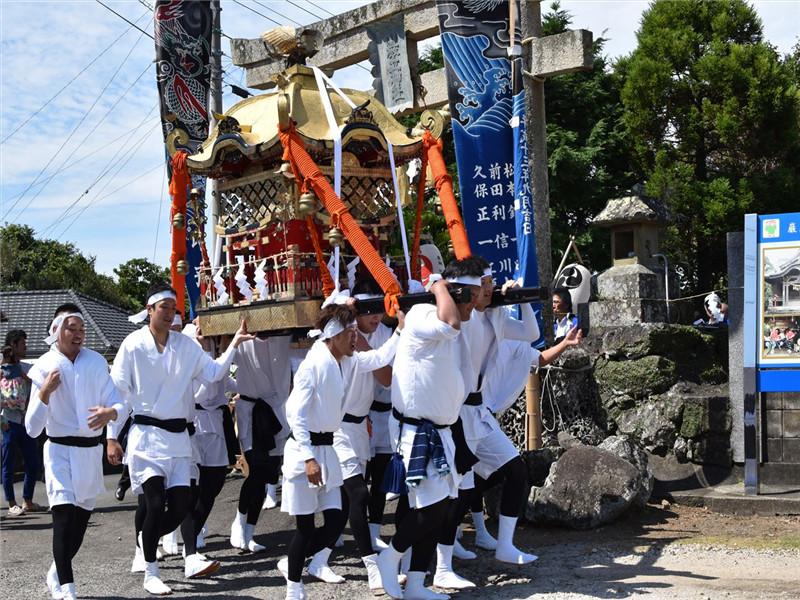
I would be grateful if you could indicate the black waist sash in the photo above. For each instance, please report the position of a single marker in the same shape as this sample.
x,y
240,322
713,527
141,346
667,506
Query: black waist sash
x,y
319,438
171,425
265,425
348,418
474,399
78,441
412,421
380,407
464,456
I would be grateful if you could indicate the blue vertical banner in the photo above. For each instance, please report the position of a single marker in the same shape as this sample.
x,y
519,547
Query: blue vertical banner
x,y
483,63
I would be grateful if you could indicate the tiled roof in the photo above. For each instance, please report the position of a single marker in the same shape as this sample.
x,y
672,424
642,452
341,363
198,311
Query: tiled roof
x,y
32,311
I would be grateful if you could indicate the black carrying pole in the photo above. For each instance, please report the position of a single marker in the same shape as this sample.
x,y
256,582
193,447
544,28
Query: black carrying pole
x,y
460,295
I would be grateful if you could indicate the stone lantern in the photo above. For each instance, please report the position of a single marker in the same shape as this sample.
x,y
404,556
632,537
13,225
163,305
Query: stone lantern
x,y
634,290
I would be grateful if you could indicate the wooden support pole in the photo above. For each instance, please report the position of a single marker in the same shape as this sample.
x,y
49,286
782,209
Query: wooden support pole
x,y
533,413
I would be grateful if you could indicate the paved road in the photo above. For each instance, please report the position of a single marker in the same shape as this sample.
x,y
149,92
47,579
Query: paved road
x,y
571,567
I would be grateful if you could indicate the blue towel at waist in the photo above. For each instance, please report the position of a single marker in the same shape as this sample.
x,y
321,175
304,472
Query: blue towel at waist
x,y
427,447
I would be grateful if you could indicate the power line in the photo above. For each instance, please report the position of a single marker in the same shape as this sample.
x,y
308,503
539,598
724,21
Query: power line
x,y
321,8
305,10
85,156
131,23
70,82
103,172
160,204
66,141
131,153
277,13
258,13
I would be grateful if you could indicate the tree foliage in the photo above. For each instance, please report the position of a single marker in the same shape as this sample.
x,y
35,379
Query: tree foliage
x,y
712,114
27,263
135,277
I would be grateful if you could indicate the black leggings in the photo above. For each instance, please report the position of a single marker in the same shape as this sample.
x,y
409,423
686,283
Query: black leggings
x,y
203,495
514,476
308,539
261,472
420,529
377,497
69,527
355,497
158,521
455,513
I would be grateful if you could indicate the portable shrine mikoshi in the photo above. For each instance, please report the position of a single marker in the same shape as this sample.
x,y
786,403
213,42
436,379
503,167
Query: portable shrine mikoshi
x,y
305,173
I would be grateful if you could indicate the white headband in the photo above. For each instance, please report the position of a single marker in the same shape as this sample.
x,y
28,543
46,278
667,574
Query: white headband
x,y
55,326
340,297
152,301
367,296
332,328
466,280
487,272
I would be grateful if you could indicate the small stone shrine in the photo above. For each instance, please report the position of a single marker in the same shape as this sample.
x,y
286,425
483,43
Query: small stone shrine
x,y
633,290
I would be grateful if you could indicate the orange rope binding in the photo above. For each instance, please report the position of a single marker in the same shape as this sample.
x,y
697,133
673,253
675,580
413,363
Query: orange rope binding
x,y
444,186
178,186
302,163
327,281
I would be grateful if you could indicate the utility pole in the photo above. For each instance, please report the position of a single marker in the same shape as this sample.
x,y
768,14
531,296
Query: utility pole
x,y
216,107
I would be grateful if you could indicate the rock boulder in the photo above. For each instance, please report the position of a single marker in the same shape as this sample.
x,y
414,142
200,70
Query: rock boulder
x,y
586,488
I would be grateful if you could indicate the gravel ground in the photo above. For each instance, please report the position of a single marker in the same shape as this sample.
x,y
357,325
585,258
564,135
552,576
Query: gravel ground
x,y
662,552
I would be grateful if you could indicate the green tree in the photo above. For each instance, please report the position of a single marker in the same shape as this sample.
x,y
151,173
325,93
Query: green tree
x,y
587,147
27,263
712,112
135,276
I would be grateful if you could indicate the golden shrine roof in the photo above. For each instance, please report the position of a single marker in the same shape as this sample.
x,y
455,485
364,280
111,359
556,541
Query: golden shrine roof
x,y
250,127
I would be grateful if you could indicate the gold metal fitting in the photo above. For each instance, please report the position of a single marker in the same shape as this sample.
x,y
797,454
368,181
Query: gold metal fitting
x,y
307,205
182,267
335,237
179,221
195,192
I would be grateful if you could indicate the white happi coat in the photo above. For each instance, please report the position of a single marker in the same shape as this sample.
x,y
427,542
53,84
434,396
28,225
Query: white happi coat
x,y
351,441
316,404
160,385
484,359
427,383
73,475
263,371
209,438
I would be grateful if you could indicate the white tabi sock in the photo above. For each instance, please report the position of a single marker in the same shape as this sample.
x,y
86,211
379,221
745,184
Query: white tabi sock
x,y
373,574
506,551
252,545
271,499
445,577
375,534
318,567
483,539
295,590
416,590
237,531
68,591
52,583
169,543
388,563
152,581
462,553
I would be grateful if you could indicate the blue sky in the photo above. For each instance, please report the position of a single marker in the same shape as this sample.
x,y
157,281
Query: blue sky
x,y
102,177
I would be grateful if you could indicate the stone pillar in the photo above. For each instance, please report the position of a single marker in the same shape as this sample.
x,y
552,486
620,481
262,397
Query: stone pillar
x,y
735,351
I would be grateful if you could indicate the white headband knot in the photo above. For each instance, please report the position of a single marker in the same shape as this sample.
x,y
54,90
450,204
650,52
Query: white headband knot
x,y
465,280
152,301
55,326
332,328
